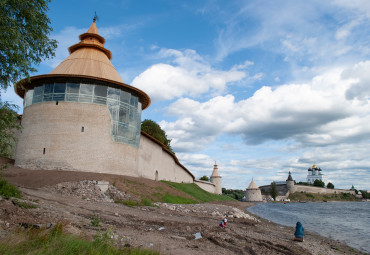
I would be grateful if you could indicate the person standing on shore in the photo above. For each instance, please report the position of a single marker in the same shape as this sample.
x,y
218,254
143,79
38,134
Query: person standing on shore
x,y
299,232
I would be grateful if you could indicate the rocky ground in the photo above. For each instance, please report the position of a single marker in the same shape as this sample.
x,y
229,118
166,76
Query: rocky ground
x,y
171,229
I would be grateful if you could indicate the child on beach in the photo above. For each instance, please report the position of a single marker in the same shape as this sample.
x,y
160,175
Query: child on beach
x,y
223,223
299,232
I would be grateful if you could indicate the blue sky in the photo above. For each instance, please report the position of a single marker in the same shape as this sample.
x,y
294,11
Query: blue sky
x,y
262,87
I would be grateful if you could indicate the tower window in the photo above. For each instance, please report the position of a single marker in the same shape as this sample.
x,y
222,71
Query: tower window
x,y
43,151
82,129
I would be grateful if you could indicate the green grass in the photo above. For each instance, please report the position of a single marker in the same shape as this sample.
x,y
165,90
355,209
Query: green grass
x,y
55,242
8,190
168,198
132,203
197,193
303,196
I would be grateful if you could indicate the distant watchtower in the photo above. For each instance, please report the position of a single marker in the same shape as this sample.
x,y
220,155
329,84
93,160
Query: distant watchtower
x,y
290,184
216,179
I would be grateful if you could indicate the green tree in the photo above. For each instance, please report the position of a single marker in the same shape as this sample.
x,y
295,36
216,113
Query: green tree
x,y
273,191
152,128
330,185
8,125
24,41
319,183
204,178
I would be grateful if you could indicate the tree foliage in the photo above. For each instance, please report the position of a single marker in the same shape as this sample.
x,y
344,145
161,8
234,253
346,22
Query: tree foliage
x,y
204,178
273,191
330,185
8,126
152,128
24,42
234,193
319,183
365,194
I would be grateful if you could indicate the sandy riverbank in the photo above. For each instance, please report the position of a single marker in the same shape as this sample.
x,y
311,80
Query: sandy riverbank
x,y
167,228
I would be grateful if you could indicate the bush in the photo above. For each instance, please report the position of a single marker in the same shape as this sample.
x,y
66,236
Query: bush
x,y
319,183
8,190
330,185
204,178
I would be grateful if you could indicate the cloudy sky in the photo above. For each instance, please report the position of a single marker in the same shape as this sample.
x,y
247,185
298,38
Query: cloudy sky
x,y
261,87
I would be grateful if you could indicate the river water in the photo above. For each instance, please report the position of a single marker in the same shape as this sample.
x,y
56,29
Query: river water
x,y
348,222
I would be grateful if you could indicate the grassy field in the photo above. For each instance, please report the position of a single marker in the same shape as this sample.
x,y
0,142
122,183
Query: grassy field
x,y
55,242
303,196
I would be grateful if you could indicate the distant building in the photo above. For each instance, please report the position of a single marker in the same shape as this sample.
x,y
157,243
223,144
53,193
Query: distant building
x,y
253,193
283,188
314,173
216,179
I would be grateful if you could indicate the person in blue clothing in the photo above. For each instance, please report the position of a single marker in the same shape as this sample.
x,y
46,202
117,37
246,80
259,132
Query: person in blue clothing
x,y
299,232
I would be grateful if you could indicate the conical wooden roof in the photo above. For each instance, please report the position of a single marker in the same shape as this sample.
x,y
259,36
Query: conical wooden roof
x,y
89,57
215,172
252,185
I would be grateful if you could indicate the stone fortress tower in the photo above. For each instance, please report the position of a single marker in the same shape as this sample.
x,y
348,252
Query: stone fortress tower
x,y
290,184
216,179
78,116
253,193
83,117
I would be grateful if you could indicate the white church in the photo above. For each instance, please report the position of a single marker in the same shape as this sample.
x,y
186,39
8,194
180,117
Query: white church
x,y
314,173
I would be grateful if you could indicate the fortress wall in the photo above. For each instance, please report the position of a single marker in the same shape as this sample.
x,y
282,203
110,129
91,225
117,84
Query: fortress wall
x,y
207,186
281,188
312,189
154,158
58,129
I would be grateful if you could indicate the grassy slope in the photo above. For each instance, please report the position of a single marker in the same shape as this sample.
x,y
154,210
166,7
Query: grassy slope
x,y
303,196
197,193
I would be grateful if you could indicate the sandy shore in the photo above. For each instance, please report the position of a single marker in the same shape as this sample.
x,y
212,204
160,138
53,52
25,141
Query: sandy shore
x,y
167,228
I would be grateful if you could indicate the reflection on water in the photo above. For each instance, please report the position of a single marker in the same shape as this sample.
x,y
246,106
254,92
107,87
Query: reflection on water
x,y
345,221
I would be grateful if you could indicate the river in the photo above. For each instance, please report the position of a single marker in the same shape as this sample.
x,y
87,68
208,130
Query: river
x,y
348,222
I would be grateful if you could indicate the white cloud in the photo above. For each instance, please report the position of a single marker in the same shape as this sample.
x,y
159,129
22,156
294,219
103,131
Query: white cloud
x,y
189,75
316,113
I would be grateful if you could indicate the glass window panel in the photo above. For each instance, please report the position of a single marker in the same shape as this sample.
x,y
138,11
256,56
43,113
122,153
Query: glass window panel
x,y
85,98
100,94
123,114
59,97
73,88
134,101
99,100
37,94
48,92
114,93
100,91
38,91
86,89
59,88
28,98
125,97
72,97
122,129
114,112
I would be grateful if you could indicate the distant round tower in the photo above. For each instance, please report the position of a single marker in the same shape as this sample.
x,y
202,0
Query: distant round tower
x,y
253,193
290,184
216,179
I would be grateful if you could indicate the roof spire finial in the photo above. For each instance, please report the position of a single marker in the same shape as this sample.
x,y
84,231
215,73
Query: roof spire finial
x,y
96,18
